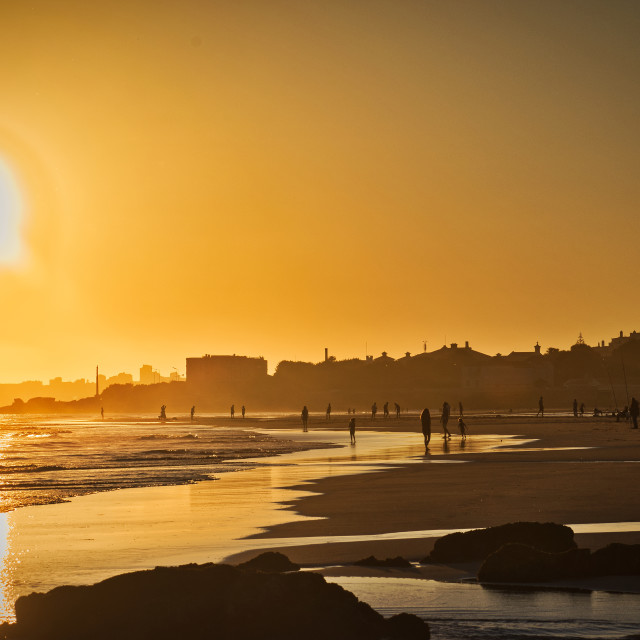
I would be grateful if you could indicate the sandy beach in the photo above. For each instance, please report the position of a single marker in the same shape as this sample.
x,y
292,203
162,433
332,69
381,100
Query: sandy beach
x,y
326,508
571,471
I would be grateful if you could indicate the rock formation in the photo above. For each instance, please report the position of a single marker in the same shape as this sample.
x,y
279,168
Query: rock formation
x,y
201,602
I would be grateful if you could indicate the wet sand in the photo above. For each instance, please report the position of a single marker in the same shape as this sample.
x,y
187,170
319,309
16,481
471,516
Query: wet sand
x,y
509,469
542,479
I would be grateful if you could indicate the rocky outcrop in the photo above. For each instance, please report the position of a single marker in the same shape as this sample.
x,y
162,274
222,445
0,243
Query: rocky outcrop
x,y
616,560
523,563
480,543
269,562
398,562
201,602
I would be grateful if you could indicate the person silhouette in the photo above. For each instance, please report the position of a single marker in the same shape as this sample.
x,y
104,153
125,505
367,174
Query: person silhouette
x,y
540,408
352,430
163,412
461,409
463,428
581,409
575,408
425,421
444,418
305,418
233,410
385,410
329,412
243,411
374,410
193,411
397,409
102,412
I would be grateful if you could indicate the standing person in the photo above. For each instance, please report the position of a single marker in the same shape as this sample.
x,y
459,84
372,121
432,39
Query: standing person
x,y
352,430
463,428
581,409
575,408
233,410
374,410
444,418
540,407
425,421
385,409
634,410
163,412
243,411
461,409
329,412
397,410
193,411
102,412
305,418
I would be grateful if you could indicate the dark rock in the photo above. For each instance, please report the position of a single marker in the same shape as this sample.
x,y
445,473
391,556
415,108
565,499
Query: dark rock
x,y
616,560
405,625
479,543
208,601
269,562
523,563
372,561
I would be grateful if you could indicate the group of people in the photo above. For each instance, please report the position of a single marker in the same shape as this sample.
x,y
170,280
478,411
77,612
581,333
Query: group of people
x,y
425,420
233,411
385,410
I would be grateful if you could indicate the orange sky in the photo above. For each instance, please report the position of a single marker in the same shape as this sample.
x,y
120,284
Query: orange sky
x,y
275,177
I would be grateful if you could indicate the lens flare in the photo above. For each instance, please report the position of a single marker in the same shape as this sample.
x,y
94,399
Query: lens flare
x,y
11,213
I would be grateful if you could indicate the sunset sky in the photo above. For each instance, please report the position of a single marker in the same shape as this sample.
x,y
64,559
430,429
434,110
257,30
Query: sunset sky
x,y
273,177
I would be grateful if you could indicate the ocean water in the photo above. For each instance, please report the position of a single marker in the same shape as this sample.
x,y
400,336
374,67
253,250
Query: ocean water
x,y
45,460
470,611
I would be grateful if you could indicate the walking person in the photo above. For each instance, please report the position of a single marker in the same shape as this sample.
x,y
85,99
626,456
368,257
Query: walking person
x,y
374,410
540,408
463,428
425,421
352,430
444,418
233,410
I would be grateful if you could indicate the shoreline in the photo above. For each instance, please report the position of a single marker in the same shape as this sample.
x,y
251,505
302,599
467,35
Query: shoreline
x,y
384,484
547,480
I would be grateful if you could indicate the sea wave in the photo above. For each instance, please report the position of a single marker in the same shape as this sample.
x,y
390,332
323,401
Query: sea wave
x,y
50,462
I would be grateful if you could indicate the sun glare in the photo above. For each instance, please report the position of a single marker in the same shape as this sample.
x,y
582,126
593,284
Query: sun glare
x,y
10,217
